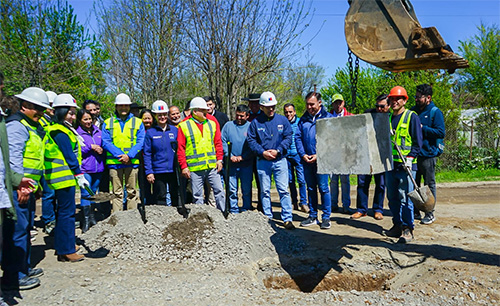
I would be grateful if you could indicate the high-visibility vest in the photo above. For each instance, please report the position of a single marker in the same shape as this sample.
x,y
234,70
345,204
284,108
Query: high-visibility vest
x,y
401,136
33,154
124,140
44,122
57,172
200,149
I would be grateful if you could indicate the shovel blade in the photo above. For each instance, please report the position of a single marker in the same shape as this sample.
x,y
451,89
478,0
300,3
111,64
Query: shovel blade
x,y
423,199
101,197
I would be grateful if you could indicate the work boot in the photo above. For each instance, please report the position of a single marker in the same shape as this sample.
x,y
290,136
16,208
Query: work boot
x,y
406,235
92,220
394,232
86,217
304,208
358,215
378,216
70,257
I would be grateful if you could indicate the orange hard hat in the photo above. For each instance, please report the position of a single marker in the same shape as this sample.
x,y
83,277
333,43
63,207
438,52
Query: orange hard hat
x,y
398,91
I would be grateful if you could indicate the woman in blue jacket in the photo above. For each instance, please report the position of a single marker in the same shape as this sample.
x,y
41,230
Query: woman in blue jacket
x,y
159,156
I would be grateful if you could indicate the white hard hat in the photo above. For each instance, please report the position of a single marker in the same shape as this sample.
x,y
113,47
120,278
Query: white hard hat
x,y
267,99
35,95
122,99
159,106
64,100
51,95
198,103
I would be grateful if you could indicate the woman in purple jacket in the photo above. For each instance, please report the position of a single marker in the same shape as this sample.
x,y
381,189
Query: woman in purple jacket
x,y
92,163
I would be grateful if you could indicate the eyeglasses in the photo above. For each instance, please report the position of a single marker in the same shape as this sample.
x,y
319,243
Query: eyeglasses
x,y
381,105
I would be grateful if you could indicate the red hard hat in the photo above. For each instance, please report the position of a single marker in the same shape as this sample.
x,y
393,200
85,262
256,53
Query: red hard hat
x,y
398,91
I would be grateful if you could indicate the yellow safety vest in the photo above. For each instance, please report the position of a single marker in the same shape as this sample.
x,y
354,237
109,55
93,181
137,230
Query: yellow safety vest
x,y
33,154
402,137
57,172
124,140
200,149
44,122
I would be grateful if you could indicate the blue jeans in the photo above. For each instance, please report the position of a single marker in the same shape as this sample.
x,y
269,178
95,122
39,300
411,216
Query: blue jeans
x,y
279,169
295,164
314,182
244,175
16,251
363,190
345,185
48,202
398,186
64,233
94,181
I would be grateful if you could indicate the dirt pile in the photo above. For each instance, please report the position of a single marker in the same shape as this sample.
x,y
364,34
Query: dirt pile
x,y
205,239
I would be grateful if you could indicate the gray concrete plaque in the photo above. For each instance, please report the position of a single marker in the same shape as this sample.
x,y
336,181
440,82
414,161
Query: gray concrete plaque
x,y
359,144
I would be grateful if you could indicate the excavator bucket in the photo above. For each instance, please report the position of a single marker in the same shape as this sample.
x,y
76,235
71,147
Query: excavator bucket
x,y
387,34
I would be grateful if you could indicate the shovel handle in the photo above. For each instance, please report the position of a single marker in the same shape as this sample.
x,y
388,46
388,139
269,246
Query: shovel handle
x,y
408,170
87,188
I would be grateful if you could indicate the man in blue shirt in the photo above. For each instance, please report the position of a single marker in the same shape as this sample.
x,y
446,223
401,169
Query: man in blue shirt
x,y
306,146
241,159
269,137
433,131
123,138
295,168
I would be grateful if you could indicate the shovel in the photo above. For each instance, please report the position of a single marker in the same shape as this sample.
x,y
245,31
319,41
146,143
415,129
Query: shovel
x,y
100,197
422,197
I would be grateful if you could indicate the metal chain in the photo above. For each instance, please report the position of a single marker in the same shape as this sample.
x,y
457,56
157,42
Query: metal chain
x,y
353,77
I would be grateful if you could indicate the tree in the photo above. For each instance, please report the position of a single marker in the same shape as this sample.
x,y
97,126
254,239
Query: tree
x,y
143,39
42,44
483,75
236,43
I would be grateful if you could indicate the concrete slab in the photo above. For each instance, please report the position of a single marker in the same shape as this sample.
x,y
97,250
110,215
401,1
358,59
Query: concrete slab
x,y
357,144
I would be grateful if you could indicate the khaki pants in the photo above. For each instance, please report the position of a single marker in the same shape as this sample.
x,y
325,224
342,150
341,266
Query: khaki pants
x,y
117,177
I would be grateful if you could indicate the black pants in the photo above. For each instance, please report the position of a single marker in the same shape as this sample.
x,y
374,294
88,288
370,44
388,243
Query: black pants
x,y
160,189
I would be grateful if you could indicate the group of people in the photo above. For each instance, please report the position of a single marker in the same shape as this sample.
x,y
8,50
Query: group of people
x,y
50,147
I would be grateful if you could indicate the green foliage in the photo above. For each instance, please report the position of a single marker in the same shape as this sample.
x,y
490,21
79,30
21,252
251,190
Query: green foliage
x,y
44,45
483,76
469,176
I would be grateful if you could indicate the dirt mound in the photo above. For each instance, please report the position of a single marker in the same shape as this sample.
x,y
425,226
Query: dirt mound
x,y
204,239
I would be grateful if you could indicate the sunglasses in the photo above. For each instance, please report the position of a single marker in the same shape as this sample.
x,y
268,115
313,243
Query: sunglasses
x,y
381,105
39,108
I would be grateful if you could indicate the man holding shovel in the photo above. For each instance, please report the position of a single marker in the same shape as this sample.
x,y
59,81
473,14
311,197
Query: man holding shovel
x,y
407,135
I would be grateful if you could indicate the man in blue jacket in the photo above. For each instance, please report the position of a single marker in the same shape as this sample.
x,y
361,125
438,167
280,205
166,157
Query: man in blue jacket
x,y
295,168
433,132
269,137
305,139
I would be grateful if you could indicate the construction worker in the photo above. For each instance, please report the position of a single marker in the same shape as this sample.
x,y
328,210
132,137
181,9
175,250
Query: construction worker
x,y
123,139
407,134
433,132
338,110
48,194
200,152
240,159
63,157
25,147
295,168
306,147
363,189
269,137
159,157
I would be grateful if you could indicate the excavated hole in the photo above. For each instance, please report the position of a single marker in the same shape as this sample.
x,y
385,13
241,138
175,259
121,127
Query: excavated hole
x,y
314,282
184,235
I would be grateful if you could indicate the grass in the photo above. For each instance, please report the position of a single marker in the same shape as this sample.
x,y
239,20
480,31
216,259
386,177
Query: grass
x,y
470,176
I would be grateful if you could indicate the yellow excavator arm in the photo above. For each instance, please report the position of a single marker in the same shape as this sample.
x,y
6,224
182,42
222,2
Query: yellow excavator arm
x,y
387,34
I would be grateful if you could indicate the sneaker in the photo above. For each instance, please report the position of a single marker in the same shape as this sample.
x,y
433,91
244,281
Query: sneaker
x,y
33,232
49,227
289,225
35,272
395,232
357,215
27,283
309,221
325,224
428,218
406,235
